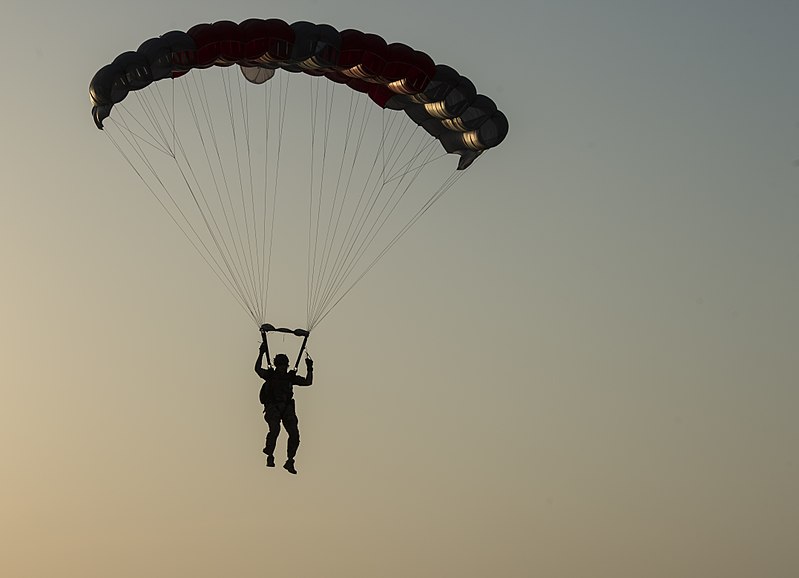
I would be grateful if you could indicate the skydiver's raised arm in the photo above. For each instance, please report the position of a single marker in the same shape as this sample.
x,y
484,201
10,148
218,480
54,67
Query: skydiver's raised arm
x,y
308,379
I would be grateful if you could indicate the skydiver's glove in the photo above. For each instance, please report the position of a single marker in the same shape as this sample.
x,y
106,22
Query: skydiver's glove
x,y
309,363
263,347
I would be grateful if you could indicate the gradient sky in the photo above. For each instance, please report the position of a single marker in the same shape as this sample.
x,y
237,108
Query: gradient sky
x,y
581,363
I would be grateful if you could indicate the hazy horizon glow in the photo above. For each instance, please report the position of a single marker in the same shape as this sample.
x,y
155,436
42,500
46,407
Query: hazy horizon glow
x,y
581,362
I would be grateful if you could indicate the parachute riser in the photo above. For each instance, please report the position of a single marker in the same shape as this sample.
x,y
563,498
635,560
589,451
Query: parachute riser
x,y
266,349
305,334
302,350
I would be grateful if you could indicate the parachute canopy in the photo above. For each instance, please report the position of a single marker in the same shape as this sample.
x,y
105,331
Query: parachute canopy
x,y
394,75
209,145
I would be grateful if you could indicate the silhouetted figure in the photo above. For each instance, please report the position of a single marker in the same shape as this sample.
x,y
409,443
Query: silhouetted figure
x,y
277,395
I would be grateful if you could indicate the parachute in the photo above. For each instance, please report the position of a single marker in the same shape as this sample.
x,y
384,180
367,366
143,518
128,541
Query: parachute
x,y
335,140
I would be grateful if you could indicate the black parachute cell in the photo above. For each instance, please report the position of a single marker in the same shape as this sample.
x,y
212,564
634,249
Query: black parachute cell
x,y
445,79
492,132
315,47
481,109
455,102
159,52
101,88
136,70
108,87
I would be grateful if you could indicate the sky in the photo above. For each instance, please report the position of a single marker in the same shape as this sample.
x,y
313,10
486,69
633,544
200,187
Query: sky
x,y
581,362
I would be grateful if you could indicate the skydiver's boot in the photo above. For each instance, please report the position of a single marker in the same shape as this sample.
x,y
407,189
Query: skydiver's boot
x,y
270,461
289,466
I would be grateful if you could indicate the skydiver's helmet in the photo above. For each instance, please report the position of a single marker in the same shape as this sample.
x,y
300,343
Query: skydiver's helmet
x,y
281,360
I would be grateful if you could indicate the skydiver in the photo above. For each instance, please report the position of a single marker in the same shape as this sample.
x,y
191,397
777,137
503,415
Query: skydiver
x,y
277,396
